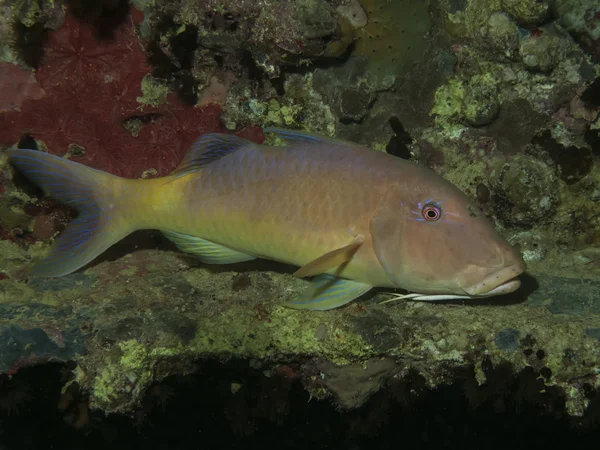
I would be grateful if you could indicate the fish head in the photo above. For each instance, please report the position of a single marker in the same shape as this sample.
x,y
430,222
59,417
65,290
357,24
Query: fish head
x,y
432,239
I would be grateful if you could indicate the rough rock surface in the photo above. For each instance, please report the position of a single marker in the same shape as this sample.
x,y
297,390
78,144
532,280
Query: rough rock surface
x,y
501,97
143,316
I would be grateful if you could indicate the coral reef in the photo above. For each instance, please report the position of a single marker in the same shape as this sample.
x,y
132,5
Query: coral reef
x,y
582,19
92,87
92,99
527,189
134,320
501,97
249,104
193,41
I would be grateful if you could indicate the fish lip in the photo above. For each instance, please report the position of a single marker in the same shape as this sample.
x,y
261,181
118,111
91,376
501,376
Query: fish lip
x,y
503,281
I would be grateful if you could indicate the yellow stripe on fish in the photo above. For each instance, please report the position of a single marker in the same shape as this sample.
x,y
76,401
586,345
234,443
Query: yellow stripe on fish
x,y
352,217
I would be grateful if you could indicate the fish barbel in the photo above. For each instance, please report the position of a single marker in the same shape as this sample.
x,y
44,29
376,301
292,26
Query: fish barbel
x,y
351,217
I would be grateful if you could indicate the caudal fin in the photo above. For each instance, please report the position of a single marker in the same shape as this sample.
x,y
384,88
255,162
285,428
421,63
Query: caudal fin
x,y
80,187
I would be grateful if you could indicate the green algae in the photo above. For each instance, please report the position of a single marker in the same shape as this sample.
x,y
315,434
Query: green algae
x,y
131,373
301,107
528,11
449,99
154,91
474,100
477,14
12,292
286,332
11,256
126,373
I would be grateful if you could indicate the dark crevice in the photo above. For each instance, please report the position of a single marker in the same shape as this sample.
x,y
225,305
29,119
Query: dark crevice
x,y
399,144
239,407
28,141
574,163
186,87
592,138
162,67
254,72
279,84
105,15
591,95
176,66
183,46
29,43
218,21
20,181
219,60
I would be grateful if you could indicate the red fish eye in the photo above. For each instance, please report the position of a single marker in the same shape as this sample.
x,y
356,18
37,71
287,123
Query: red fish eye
x,y
431,212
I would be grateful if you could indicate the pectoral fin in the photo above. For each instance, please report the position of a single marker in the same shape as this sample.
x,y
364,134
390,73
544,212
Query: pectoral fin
x,y
328,292
330,259
206,251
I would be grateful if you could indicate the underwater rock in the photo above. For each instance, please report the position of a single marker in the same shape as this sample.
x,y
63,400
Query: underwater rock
x,y
483,24
480,105
539,52
525,191
395,37
354,384
153,313
315,18
354,13
573,163
301,106
240,36
516,125
24,28
533,245
582,19
12,258
501,35
350,89
354,104
528,11
474,101
25,25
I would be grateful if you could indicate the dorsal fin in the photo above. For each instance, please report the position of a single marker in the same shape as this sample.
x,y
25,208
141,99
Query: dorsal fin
x,y
207,149
295,137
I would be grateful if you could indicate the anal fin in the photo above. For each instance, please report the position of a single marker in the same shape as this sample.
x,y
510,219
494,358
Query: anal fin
x,y
206,251
328,292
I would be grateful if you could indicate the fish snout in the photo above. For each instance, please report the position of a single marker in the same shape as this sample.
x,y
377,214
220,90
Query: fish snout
x,y
503,281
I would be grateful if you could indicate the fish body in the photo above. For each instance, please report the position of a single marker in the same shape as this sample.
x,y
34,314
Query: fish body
x,y
286,204
352,217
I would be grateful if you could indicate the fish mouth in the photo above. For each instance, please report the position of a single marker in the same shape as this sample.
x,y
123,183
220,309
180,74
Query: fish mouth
x,y
503,281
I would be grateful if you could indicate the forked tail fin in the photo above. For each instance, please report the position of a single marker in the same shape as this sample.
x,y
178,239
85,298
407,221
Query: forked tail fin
x,y
91,192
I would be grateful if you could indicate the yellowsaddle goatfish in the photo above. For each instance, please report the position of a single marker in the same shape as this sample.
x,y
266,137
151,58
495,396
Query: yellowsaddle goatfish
x,y
351,217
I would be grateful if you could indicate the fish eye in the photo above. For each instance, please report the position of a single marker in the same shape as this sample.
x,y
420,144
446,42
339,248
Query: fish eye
x,y
431,212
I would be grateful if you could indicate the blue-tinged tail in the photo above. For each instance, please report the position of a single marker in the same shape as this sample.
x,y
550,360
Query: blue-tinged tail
x,y
91,192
